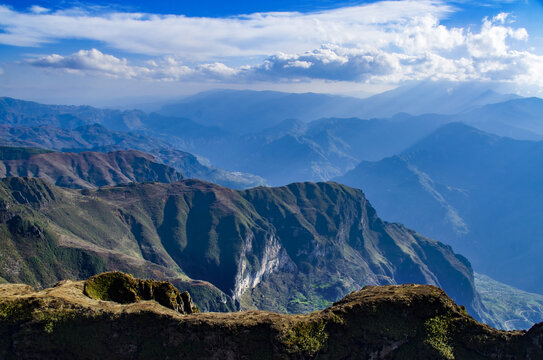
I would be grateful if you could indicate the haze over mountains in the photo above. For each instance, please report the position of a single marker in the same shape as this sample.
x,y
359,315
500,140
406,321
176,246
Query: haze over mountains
x,y
99,139
242,130
413,159
250,111
478,192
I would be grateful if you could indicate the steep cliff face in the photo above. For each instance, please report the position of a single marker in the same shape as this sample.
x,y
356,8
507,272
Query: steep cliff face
x,y
289,249
381,322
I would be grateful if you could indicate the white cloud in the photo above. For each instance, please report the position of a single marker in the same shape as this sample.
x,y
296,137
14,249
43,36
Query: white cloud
x,y
89,62
492,39
36,9
330,63
203,38
381,43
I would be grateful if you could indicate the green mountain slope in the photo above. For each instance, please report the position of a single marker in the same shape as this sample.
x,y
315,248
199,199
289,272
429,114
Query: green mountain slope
x,y
289,249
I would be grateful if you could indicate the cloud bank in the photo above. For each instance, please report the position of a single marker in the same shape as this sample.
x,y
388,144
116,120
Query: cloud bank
x,y
383,42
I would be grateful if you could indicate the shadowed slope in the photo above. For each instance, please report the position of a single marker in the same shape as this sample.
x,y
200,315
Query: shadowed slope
x,y
385,322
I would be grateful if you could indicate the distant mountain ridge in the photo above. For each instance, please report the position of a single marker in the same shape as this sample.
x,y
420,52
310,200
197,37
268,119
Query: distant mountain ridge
x,y
456,185
245,111
86,169
283,137
98,138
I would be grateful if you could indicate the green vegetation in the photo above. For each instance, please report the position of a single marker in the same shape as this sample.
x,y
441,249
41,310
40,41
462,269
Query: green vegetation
x,y
13,311
293,249
307,336
438,337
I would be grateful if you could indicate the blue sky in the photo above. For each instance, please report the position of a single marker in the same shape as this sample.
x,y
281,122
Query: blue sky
x,y
97,52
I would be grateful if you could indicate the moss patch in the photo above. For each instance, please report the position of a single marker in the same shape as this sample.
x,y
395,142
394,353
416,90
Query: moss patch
x,y
437,336
14,311
125,289
307,336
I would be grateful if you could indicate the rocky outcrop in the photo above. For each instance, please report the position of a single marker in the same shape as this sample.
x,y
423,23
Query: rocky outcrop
x,y
125,289
377,322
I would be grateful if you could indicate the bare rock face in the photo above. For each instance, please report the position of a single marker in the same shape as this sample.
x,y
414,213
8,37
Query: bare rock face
x,y
125,289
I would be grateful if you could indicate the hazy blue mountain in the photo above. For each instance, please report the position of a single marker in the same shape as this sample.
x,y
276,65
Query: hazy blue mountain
x,y
432,97
322,149
194,168
87,137
98,138
479,192
27,113
519,118
507,307
252,111
286,144
245,111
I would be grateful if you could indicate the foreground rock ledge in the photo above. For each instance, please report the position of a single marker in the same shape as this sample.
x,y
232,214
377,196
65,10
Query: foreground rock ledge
x,y
378,322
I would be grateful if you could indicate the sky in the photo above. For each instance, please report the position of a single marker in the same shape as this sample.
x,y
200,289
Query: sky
x,y
106,53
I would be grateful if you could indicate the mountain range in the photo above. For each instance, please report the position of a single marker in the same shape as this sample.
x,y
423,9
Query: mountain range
x,y
308,136
289,249
97,138
479,192
253,111
447,180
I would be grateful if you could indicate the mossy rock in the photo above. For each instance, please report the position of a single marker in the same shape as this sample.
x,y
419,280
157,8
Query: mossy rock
x,y
125,289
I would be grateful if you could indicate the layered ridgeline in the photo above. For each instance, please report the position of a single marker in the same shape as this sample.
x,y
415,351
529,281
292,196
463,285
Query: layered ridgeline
x,y
90,169
86,169
97,138
278,136
481,193
287,249
119,320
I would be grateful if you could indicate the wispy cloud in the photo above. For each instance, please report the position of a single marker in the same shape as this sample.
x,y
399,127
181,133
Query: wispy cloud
x,y
261,34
